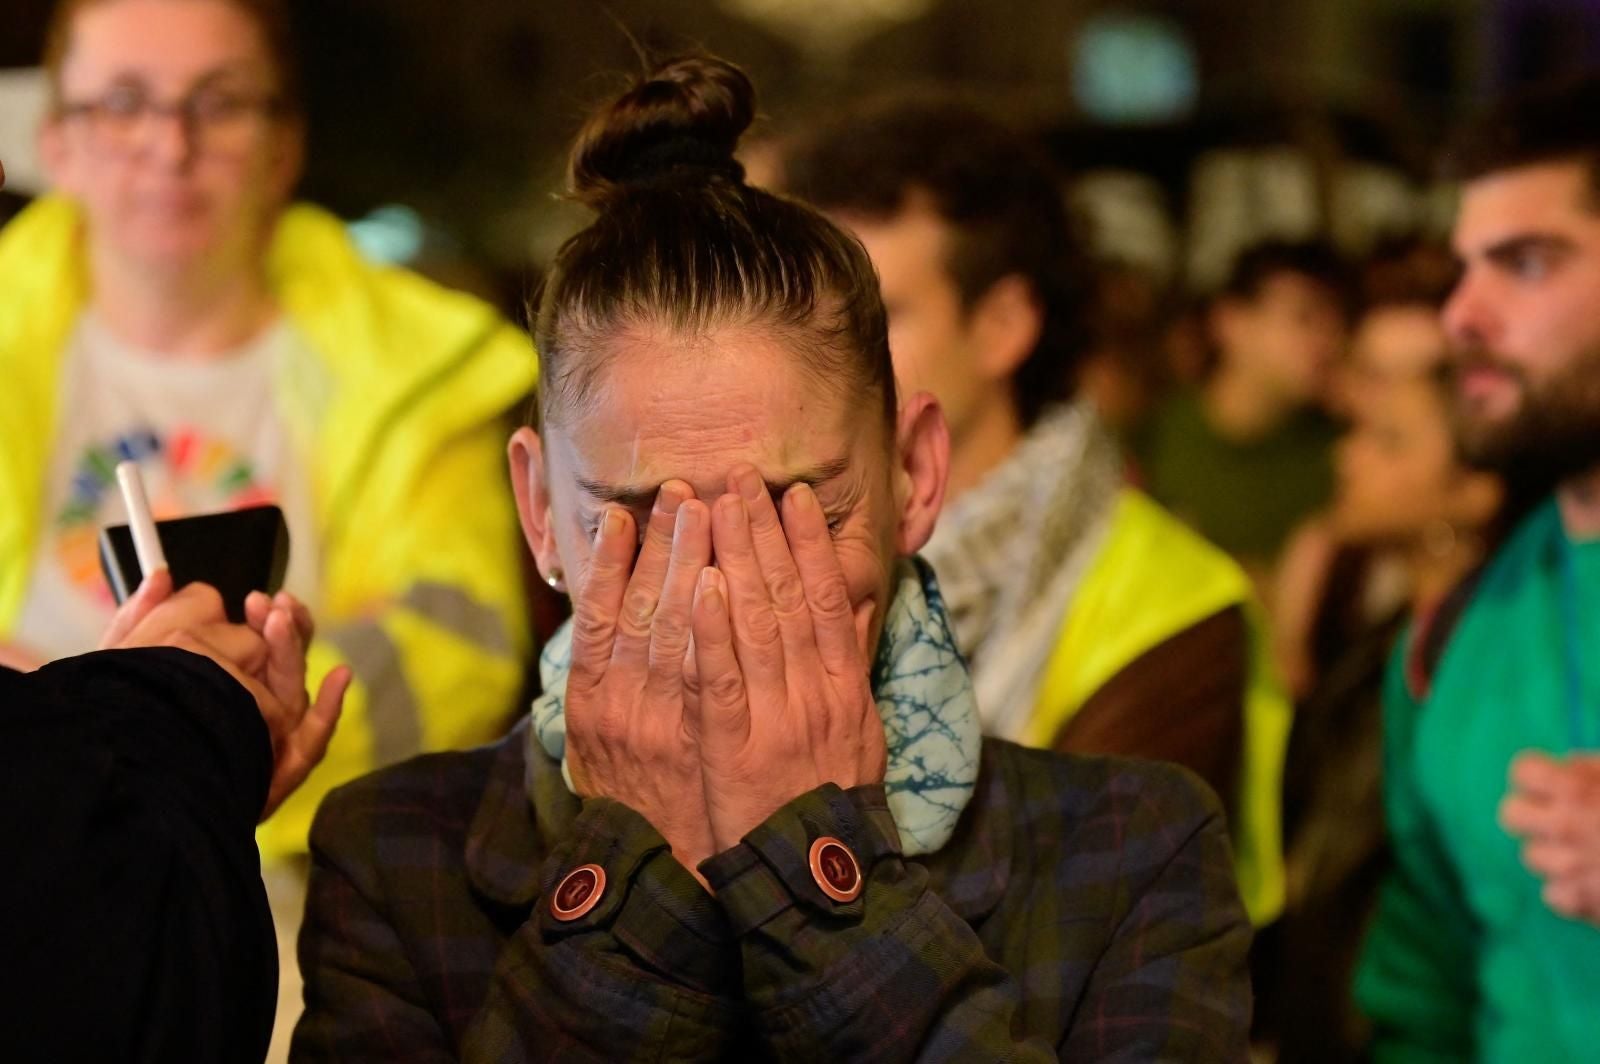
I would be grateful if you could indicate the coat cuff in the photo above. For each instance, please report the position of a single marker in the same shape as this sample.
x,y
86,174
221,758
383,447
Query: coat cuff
x,y
647,901
771,871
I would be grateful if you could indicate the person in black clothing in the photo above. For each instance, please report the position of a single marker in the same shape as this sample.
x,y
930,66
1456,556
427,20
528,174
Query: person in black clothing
x,y
133,921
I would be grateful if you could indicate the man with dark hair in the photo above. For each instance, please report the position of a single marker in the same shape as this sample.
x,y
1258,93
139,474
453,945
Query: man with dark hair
x,y
1105,623
1484,945
1250,456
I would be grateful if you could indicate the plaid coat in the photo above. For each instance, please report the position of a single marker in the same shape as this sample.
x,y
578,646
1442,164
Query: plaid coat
x,y
1085,909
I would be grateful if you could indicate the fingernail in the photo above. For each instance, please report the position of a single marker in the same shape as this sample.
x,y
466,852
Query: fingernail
x,y
750,484
732,507
711,589
688,519
611,524
804,499
668,498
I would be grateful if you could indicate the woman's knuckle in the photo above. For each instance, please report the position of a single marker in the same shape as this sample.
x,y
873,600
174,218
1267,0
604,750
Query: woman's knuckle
x,y
670,629
593,626
761,628
831,596
787,593
725,688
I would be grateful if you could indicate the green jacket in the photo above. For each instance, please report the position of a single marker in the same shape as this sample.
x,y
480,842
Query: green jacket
x,y
1464,960
397,410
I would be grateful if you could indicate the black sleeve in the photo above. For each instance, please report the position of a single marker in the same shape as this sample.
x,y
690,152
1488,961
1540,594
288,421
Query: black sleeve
x,y
133,922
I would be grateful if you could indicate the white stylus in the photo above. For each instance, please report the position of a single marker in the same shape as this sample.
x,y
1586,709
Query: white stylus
x,y
146,540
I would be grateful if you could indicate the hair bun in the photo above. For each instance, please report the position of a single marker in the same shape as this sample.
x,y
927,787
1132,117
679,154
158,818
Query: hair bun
x,y
685,117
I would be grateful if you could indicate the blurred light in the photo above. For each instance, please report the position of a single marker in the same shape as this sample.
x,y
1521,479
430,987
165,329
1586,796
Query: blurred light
x,y
1133,69
391,234
827,25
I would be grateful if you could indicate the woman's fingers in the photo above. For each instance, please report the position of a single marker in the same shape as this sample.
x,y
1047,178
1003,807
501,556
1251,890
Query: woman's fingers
x,y
757,638
785,591
827,594
300,613
285,672
155,589
594,621
241,646
257,608
673,622
723,699
639,602
305,746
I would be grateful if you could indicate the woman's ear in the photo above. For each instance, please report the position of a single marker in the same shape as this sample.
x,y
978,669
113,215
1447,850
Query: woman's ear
x,y
288,158
525,454
923,464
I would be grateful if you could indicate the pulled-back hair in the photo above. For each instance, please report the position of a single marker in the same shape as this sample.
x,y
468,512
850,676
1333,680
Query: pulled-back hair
x,y
999,194
680,240
1558,122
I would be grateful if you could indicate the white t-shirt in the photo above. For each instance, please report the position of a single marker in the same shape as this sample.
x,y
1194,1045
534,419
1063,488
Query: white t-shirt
x,y
208,438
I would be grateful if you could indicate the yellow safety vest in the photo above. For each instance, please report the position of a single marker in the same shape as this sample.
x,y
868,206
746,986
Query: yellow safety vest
x,y
1152,579
397,406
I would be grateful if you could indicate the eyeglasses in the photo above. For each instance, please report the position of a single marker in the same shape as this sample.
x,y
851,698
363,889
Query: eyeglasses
x,y
216,121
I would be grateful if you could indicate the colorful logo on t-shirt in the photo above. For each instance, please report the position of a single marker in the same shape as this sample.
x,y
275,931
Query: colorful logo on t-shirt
x,y
185,473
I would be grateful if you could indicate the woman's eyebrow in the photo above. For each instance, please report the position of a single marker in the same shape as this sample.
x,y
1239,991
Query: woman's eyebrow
x,y
635,496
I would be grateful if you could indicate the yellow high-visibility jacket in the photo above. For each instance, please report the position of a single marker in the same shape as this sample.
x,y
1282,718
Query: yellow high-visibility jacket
x,y
397,409
1151,579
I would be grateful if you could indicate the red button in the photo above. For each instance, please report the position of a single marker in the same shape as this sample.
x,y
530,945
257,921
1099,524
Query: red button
x,y
579,892
834,868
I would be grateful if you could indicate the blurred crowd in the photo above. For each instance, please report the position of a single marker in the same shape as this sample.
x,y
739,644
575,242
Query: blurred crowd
x,y
1319,527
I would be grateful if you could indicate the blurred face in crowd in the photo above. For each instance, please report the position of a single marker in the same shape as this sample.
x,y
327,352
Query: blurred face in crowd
x,y
713,403
1399,477
168,134
1286,337
964,355
1525,318
1391,342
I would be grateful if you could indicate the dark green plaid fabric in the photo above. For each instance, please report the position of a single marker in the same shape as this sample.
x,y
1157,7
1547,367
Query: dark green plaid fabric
x,y
1085,909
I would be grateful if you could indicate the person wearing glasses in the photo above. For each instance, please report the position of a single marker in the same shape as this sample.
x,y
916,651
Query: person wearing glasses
x,y
168,304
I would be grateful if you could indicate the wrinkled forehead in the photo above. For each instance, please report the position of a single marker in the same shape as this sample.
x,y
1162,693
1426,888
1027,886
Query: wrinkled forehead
x,y
667,408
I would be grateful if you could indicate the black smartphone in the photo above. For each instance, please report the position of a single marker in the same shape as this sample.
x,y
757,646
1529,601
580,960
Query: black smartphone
x,y
236,552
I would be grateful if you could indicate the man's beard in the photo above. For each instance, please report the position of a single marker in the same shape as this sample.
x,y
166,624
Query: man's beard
x,y
1554,433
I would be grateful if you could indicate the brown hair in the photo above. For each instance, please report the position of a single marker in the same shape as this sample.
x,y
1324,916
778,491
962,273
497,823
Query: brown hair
x,y
680,239
270,16
996,190
1549,123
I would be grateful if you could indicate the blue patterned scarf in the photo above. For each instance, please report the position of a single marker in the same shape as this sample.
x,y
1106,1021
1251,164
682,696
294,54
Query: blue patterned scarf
x,y
924,696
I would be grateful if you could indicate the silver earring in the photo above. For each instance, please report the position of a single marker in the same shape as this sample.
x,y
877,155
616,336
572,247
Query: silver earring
x,y
557,580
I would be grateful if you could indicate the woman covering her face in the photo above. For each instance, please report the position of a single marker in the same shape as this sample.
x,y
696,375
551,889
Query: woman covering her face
x,y
752,814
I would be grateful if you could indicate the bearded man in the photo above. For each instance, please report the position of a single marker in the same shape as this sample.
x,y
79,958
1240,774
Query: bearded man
x,y
1486,945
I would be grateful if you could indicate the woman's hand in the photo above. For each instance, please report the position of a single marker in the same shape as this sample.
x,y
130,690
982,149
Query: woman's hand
x,y
628,737
266,656
784,699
